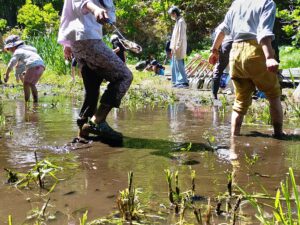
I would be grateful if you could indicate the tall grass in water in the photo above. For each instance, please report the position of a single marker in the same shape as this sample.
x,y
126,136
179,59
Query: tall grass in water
x,y
51,52
286,208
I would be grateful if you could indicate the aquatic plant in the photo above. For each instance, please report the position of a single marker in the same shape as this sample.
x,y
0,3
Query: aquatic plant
x,y
39,174
10,220
128,202
286,206
183,201
83,220
39,215
211,139
251,160
187,148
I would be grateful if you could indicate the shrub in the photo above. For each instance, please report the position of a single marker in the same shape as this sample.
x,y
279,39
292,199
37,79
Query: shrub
x,y
3,25
51,52
36,21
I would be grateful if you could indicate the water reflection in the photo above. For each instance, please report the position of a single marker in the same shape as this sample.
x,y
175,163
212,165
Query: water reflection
x,y
177,121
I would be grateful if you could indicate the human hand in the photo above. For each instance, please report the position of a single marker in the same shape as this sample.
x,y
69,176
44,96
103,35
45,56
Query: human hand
x,y
101,15
213,58
6,79
272,65
67,53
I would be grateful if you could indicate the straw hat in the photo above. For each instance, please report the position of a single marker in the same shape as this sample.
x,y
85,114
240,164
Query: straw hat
x,y
12,41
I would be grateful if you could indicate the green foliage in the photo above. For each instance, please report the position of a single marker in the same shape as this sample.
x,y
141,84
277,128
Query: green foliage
x,y
289,57
3,24
51,52
148,23
37,20
291,18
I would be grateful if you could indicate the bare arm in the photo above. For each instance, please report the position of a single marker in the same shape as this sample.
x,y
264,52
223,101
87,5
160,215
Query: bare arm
x,y
8,70
12,63
214,55
272,64
116,50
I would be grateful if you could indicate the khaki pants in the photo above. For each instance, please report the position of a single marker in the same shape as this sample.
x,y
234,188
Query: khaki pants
x,y
248,71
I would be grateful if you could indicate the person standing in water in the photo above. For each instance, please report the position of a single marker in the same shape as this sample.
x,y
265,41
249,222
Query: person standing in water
x,y
25,57
252,59
81,35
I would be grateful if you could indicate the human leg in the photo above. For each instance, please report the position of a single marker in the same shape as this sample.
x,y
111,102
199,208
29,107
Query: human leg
x,y
180,72
34,92
91,81
173,64
220,67
26,87
276,116
31,77
267,82
243,99
114,70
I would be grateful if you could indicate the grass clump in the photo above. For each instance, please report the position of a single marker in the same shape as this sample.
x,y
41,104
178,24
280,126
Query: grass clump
x,y
289,57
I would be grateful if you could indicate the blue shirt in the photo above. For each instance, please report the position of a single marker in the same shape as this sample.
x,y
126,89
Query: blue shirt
x,y
250,19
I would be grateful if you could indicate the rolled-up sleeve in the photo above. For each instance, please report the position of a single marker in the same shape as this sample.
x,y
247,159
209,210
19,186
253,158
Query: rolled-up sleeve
x,y
266,21
80,6
226,25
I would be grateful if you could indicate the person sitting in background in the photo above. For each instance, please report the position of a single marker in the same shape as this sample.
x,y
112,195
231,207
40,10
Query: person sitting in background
x,y
157,68
142,65
118,47
28,56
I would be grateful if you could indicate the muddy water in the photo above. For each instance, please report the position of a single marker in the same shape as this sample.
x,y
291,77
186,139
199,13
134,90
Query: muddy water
x,y
152,136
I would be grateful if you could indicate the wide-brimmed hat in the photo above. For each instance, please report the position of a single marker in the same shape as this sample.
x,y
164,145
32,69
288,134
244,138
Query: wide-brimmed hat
x,y
12,41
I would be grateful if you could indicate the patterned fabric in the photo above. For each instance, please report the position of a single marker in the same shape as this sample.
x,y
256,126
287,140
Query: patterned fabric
x,y
106,64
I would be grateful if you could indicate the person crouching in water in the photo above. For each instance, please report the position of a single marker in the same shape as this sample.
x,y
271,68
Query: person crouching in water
x,y
28,56
118,47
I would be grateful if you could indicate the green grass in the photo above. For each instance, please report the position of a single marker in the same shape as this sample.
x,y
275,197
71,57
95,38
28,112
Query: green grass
x,y
289,57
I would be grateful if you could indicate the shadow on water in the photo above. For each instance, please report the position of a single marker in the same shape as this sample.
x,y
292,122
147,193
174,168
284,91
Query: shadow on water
x,y
161,147
287,137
